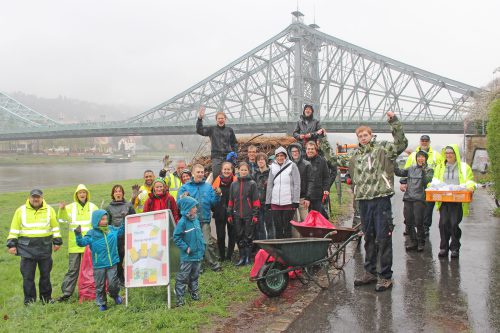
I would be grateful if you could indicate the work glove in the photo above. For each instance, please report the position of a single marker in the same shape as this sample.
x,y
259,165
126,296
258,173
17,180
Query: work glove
x,y
78,230
295,205
135,191
162,173
255,220
230,219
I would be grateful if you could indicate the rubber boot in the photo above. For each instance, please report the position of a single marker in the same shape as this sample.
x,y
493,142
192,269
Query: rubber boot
x,y
248,254
243,251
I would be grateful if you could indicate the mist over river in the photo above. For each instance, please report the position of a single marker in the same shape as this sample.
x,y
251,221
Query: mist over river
x,y
17,178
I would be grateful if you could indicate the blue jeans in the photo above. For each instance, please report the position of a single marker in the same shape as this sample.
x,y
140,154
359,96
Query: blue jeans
x,y
376,221
187,277
100,276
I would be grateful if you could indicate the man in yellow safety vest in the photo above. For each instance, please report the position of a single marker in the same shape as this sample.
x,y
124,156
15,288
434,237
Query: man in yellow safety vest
x,y
77,213
173,180
34,233
141,194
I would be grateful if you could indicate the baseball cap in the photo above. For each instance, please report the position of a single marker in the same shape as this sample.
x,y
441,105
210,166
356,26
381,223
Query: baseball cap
x,y
425,138
36,192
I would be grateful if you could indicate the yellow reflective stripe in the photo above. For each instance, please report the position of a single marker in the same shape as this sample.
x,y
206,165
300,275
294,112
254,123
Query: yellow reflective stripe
x,y
176,183
74,211
34,224
35,232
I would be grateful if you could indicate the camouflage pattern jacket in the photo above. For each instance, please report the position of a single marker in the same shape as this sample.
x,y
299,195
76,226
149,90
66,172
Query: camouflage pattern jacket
x,y
372,165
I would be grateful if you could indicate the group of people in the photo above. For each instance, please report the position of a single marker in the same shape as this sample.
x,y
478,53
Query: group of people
x,y
253,199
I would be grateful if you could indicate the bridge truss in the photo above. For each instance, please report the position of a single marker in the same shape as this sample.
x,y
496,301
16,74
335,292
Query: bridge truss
x,y
265,90
347,85
15,114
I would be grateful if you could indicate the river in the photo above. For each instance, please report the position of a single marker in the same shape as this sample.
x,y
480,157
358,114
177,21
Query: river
x,y
25,177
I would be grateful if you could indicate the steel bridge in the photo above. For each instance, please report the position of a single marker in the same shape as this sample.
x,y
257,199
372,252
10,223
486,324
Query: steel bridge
x,y
264,92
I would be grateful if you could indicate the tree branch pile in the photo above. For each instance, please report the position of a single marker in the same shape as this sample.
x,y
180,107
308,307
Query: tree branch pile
x,y
264,144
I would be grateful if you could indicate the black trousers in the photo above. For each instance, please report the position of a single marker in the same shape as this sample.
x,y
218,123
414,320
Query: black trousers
x,y
281,220
317,205
220,228
414,212
450,216
28,268
429,209
376,222
121,254
245,231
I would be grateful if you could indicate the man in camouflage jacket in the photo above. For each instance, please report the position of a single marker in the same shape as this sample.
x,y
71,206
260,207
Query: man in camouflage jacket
x,y
372,172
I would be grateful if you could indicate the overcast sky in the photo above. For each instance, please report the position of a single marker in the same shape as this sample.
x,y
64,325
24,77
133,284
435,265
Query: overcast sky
x,y
141,53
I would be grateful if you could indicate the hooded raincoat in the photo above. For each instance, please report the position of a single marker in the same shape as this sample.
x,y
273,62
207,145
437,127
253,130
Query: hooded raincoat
x,y
77,214
285,188
204,195
187,233
104,245
465,176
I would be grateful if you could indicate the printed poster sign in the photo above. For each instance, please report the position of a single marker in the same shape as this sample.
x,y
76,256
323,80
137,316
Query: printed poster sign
x,y
146,249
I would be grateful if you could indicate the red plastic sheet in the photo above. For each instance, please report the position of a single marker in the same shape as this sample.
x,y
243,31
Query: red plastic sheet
x,y
314,219
260,260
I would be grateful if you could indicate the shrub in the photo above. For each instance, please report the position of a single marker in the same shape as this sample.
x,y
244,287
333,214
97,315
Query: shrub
x,y
493,146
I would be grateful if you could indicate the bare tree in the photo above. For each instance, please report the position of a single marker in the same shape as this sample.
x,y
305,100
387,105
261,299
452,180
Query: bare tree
x,y
478,110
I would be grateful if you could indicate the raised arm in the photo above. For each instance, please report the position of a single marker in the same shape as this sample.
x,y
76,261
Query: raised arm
x,y
200,129
400,172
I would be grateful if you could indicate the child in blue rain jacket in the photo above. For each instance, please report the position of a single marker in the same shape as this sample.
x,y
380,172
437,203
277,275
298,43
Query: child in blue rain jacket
x,y
189,239
103,242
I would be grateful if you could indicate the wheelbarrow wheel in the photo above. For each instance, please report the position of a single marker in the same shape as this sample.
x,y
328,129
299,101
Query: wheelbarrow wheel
x,y
275,285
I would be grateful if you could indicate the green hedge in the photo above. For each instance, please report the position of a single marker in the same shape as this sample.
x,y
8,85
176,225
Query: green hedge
x,y
493,137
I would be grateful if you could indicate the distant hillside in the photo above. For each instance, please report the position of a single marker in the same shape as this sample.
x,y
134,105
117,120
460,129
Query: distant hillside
x,y
69,110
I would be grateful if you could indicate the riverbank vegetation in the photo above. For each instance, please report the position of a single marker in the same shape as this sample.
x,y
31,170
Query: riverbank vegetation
x,y
147,309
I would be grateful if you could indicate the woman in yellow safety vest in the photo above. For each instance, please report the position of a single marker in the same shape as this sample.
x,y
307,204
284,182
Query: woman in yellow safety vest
x,y
77,213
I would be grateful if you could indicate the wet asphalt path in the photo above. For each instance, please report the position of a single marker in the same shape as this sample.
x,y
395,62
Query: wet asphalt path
x,y
429,294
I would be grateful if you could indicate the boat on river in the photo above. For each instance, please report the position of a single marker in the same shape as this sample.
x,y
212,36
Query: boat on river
x,y
118,159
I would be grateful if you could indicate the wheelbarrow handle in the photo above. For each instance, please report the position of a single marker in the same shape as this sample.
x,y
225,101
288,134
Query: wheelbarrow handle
x,y
330,234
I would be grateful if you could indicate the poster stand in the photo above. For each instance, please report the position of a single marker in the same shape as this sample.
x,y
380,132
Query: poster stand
x,y
147,255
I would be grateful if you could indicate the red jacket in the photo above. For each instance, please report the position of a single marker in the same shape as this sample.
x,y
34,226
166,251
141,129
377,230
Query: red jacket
x,y
165,201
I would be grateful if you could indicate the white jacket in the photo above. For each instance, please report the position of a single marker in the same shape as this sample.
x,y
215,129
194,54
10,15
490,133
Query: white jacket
x,y
285,189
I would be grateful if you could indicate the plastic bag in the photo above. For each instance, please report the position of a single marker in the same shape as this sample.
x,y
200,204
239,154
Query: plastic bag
x,y
86,285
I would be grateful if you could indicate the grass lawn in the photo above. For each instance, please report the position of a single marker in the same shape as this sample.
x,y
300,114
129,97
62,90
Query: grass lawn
x,y
147,309
340,210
